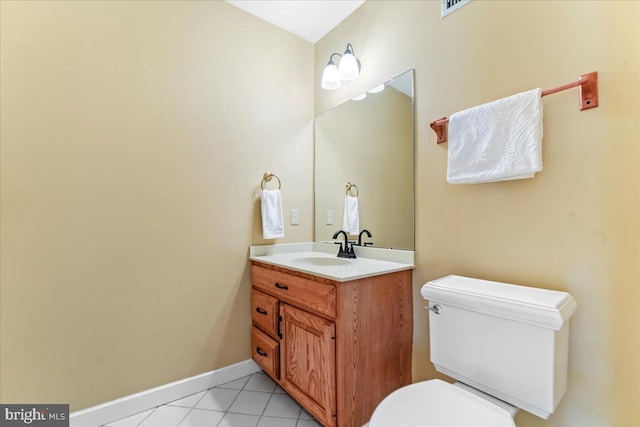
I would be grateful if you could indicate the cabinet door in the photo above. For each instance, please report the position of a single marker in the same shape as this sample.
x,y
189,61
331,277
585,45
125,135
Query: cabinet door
x,y
308,362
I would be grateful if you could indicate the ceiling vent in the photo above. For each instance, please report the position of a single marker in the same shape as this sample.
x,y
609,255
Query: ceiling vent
x,y
448,6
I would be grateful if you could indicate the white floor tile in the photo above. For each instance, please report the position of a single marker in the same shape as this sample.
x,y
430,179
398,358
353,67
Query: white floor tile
x,y
217,399
279,390
239,420
189,401
260,382
165,416
304,415
277,422
236,384
202,418
307,423
281,405
131,421
250,402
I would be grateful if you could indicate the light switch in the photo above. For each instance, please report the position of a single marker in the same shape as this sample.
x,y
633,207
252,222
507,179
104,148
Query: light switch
x,y
295,217
329,218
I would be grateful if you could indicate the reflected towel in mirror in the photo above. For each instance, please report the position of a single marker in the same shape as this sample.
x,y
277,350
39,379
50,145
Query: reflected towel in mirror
x,y
351,218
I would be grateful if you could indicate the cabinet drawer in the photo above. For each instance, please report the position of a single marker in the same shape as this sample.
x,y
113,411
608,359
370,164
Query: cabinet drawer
x,y
264,312
298,291
266,352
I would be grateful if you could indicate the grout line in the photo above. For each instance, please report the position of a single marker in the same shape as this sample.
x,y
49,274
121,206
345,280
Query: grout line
x,y
148,415
234,389
221,418
267,405
191,408
183,418
226,411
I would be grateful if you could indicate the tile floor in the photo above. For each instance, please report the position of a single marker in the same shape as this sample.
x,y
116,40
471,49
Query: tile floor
x,y
251,401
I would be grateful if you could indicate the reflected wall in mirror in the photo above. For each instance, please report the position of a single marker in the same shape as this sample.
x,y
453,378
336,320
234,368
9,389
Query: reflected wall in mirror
x,y
369,143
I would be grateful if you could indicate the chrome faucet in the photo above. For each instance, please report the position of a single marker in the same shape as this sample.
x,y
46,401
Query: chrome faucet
x,y
347,252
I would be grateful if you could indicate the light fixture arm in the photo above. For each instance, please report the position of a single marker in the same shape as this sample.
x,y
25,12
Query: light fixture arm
x,y
331,58
350,49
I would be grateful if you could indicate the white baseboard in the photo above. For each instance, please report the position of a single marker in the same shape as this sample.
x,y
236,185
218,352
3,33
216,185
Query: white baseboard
x,y
145,400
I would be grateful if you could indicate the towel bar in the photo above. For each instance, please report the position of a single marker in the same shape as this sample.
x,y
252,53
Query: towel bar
x,y
588,99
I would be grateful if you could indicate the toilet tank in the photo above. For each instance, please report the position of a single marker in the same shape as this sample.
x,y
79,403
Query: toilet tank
x,y
507,340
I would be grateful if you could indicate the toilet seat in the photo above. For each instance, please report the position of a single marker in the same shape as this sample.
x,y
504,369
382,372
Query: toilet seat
x,y
437,403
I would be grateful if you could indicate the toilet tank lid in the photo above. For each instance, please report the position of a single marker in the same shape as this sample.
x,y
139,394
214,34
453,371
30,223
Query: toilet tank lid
x,y
536,306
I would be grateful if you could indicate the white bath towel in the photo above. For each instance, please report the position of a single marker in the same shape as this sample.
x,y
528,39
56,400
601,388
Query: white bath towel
x,y
498,141
272,219
351,218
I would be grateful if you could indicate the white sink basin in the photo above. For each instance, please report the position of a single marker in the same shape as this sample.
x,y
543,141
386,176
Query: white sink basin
x,y
321,261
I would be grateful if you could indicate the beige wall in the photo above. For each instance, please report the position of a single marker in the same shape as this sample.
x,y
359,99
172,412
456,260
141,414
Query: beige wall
x,y
134,137
575,227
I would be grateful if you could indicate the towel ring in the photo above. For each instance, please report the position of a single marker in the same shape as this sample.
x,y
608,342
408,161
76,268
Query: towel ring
x,y
350,186
267,178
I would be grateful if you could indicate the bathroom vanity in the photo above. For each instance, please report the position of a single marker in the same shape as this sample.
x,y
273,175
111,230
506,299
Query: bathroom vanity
x,y
335,334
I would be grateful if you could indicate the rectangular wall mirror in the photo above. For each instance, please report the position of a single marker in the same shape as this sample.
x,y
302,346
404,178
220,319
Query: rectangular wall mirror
x,y
370,143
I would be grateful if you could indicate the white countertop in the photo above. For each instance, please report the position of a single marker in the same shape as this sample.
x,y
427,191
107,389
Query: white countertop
x,y
369,261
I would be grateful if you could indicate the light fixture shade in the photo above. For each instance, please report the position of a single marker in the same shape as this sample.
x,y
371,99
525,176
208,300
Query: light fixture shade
x,y
331,77
359,97
377,89
349,66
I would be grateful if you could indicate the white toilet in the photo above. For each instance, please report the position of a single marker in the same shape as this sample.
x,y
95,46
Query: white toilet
x,y
507,345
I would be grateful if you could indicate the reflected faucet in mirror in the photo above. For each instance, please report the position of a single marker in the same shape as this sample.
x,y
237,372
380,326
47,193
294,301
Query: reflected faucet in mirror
x,y
348,251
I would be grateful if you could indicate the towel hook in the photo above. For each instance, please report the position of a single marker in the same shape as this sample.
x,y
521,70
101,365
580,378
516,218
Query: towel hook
x,y
267,178
350,186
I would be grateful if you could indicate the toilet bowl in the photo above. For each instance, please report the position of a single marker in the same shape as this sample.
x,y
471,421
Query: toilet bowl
x,y
506,345
438,403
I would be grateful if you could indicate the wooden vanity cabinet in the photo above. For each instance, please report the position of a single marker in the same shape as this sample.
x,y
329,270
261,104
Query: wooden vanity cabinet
x,y
338,348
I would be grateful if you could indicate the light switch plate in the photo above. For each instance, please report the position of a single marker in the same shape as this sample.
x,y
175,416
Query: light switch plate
x,y
328,217
295,217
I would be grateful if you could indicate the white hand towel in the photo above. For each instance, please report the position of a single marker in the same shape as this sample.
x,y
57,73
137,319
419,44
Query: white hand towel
x,y
272,219
351,218
498,141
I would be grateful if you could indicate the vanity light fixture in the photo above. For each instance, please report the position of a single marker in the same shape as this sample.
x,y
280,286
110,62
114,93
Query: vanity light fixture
x,y
359,97
348,69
